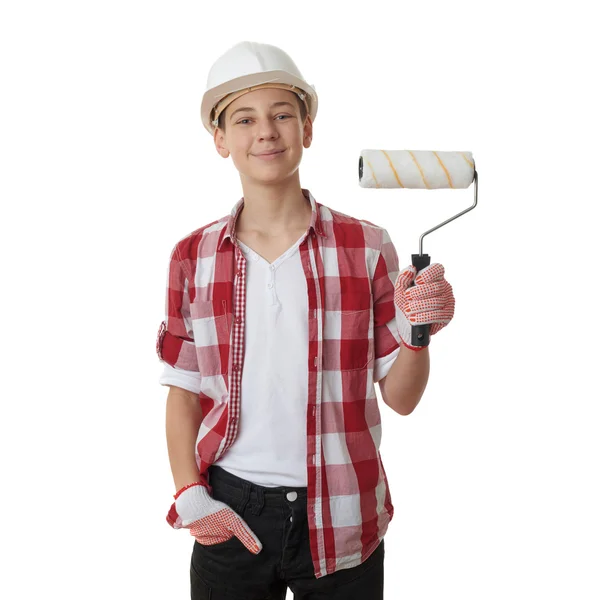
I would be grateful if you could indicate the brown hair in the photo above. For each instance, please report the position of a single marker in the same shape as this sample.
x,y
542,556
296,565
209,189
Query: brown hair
x,y
301,104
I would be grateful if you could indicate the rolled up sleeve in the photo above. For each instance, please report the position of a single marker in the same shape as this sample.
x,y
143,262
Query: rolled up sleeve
x,y
387,339
175,339
188,380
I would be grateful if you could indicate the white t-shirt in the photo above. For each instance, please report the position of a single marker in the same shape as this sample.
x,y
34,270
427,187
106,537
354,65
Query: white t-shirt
x,y
270,449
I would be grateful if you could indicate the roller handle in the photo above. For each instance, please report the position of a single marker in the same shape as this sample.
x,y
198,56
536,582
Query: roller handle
x,y
420,333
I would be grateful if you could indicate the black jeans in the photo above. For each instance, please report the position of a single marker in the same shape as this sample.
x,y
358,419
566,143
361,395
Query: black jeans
x,y
229,571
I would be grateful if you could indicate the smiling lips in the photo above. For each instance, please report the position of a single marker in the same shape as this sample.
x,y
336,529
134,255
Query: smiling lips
x,y
271,155
270,152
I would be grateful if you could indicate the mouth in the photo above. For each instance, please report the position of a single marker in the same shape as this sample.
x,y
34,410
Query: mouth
x,y
267,154
270,156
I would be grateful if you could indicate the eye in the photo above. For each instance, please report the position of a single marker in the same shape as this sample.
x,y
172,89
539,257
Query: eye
x,y
241,121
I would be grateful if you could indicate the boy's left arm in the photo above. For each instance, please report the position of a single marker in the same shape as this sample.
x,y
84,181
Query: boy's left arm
x,y
423,298
403,386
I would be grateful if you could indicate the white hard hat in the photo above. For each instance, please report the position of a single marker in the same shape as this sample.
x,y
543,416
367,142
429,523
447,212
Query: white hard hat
x,y
246,66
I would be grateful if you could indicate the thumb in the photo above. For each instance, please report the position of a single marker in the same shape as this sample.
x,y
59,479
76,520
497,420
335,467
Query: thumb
x,y
405,278
403,282
240,529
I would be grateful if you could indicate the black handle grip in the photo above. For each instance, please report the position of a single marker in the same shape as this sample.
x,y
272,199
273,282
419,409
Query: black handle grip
x,y
420,333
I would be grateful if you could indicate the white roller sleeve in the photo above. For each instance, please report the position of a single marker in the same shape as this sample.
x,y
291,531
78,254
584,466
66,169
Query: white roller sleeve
x,y
418,169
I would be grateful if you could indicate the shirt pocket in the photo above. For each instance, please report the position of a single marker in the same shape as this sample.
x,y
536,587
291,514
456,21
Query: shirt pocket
x,y
347,338
211,337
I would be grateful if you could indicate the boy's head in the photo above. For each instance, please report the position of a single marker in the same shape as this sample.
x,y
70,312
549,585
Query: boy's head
x,y
262,120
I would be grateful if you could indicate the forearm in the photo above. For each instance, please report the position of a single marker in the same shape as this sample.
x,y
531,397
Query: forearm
x,y
406,380
183,419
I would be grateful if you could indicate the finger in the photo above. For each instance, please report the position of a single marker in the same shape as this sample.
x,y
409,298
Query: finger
x,y
434,272
211,530
435,327
212,538
405,277
400,299
427,290
246,535
437,296
426,305
443,316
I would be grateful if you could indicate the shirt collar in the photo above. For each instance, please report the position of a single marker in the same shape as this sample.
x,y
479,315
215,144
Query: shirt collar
x,y
315,220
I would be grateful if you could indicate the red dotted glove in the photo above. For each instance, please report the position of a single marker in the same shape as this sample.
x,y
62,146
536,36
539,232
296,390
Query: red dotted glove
x,y
429,301
210,521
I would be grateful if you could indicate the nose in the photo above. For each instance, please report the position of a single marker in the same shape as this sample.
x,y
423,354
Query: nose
x,y
267,129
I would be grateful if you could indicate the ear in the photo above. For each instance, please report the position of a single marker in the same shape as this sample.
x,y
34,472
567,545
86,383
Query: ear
x,y
219,138
308,132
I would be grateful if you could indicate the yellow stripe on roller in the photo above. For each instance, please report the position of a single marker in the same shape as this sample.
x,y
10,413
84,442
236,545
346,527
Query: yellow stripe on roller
x,y
372,173
420,170
394,170
472,165
444,167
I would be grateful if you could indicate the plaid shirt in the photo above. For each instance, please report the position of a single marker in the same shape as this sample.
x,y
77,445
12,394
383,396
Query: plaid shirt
x,y
350,266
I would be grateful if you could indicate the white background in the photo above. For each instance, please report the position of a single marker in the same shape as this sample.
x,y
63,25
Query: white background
x,y
105,165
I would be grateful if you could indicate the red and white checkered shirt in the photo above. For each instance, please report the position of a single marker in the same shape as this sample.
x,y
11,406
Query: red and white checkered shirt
x,y
351,266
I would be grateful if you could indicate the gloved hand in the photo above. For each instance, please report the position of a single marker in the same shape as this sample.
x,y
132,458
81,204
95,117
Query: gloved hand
x,y
430,301
210,521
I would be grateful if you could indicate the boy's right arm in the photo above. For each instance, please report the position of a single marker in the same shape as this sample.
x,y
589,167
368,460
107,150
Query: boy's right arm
x,y
183,419
209,521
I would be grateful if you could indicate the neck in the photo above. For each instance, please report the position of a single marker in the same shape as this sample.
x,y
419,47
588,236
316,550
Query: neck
x,y
274,210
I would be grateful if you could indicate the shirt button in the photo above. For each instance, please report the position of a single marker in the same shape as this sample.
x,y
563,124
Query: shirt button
x,y
270,285
236,367
238,319
291,496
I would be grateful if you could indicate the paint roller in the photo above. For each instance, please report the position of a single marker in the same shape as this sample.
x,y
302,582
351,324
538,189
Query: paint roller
x,y
418,169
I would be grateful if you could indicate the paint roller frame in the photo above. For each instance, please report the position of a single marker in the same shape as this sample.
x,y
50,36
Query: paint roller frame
x,y
420,333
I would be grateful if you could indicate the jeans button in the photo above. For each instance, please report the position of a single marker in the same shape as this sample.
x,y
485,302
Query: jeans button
x,y
291,496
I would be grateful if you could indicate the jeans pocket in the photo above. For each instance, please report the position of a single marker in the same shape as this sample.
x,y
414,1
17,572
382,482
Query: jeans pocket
x,y
233,542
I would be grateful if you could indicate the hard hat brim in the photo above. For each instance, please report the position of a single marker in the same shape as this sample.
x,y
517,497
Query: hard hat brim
x,y
215,94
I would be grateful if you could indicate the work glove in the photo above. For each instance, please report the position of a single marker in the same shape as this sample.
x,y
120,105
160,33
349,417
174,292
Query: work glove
x,y
209,521
429,301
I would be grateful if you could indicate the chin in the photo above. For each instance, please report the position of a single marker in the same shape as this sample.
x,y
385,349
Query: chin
x,y
269,178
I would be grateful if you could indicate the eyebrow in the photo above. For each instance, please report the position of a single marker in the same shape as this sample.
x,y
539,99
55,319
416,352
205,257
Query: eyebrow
x,y
250,109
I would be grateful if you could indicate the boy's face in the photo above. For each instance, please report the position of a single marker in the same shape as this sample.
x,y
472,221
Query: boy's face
x,y
249,133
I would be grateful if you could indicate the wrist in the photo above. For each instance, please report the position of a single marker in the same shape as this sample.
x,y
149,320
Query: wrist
x,y
414,348
193,503
404,327
185,487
